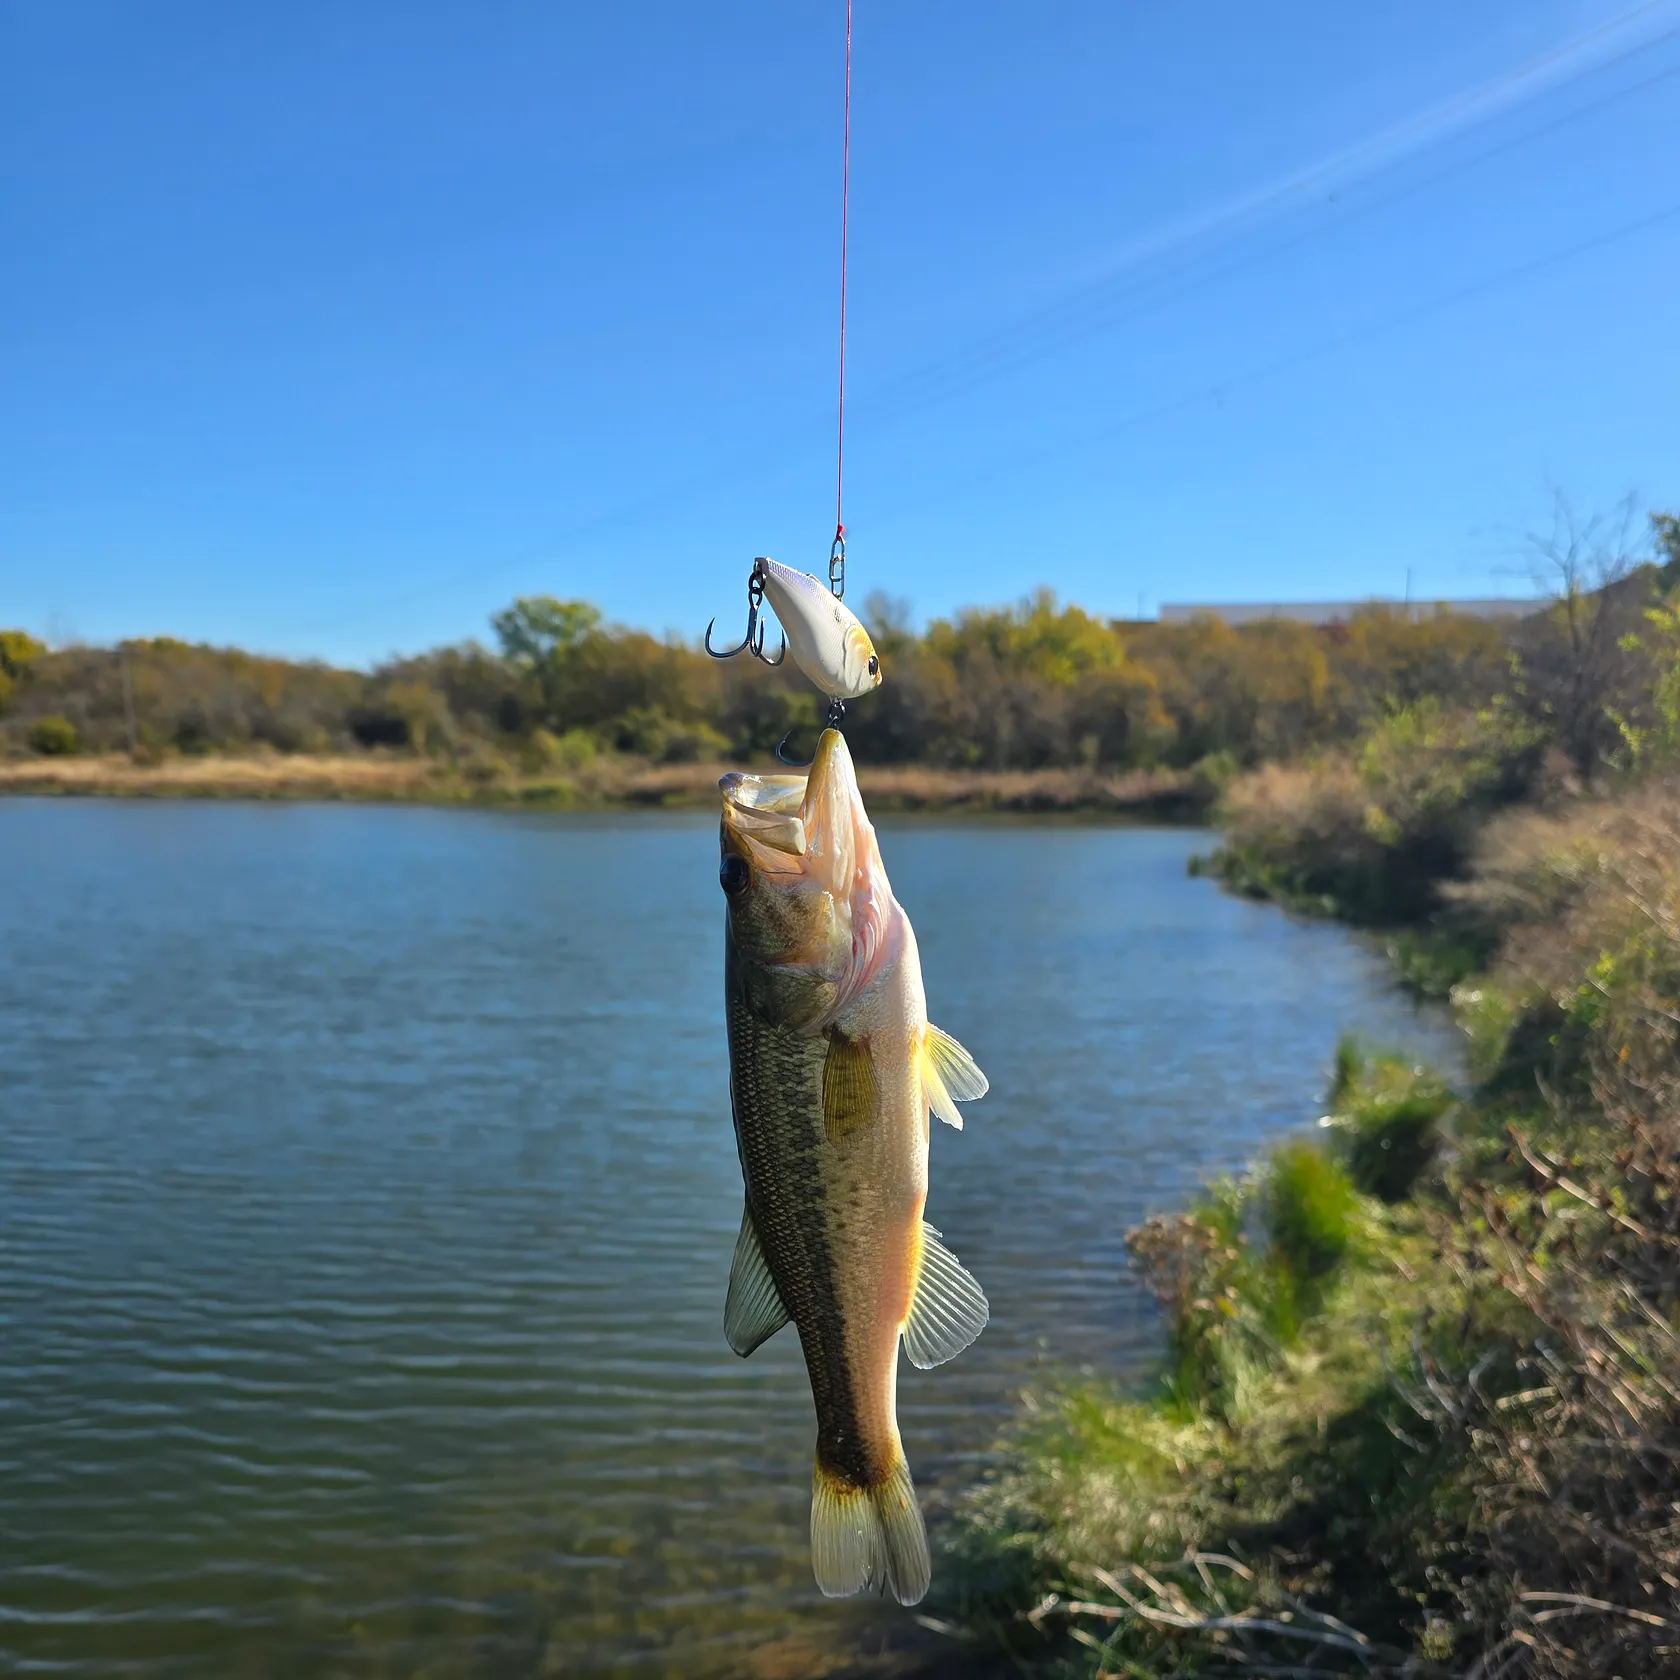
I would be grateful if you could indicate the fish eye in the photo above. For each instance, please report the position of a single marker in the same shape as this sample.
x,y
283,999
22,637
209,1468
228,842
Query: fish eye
x,y
874,665
733,874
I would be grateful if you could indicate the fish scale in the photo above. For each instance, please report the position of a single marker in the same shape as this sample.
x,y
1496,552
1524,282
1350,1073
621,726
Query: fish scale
x,y
822,1212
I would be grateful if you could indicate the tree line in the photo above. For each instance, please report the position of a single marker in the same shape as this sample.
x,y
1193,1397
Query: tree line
x,y
1036,684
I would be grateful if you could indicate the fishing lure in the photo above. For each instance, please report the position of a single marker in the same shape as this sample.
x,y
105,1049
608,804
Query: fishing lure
x,y
823,634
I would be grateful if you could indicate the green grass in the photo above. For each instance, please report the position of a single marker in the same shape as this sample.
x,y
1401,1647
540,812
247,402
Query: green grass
x,y
1275,1443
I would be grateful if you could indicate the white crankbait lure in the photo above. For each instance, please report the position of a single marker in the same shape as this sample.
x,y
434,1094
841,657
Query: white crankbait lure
x,y
821,632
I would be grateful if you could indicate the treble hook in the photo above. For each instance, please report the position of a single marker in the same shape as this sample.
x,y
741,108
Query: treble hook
x,y
832,719
753,641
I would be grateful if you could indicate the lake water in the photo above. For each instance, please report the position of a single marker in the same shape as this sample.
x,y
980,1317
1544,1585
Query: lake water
x,y
367,1194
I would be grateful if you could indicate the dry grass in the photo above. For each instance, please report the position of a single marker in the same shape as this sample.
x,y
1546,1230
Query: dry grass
x,y
1301,813
608,781
1577,1478
1567,888
914,788
267,777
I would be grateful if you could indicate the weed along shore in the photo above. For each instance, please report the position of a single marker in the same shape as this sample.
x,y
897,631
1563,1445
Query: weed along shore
x,y
1418,1407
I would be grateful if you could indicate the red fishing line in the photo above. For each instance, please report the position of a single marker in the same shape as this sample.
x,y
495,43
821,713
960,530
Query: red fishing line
x,y
845,197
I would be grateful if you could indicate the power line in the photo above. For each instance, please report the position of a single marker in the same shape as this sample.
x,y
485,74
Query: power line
x,y
1073,320
1090,311
1216,389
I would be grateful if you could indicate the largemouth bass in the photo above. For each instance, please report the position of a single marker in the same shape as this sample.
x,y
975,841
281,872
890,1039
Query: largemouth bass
x,y
834,1069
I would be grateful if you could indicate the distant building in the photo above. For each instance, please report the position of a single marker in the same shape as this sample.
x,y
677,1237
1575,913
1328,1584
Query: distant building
x,y
1338,612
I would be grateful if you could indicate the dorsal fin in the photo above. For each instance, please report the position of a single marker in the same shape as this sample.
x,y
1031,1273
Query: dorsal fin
x,y
753,1311
949,1309
949,1075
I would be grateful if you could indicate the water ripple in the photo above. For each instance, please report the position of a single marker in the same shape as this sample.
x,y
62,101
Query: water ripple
x,y
367,1194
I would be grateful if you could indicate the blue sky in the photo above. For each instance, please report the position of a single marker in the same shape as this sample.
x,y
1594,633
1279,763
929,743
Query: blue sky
x,y
328,329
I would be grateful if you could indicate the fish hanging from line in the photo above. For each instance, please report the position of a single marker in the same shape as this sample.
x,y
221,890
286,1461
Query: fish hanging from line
x,y
824,635
834,1069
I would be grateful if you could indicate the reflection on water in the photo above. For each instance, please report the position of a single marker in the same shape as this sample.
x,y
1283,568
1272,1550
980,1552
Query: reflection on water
x,y
367,1193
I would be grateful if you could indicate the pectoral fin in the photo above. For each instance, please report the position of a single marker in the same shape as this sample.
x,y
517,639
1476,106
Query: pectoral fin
x,y
753,1311
851,1095
949,1308
949,1075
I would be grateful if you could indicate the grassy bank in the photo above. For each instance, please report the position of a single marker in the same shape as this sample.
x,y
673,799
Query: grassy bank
x,y
1418,1412
604,782
1420,1409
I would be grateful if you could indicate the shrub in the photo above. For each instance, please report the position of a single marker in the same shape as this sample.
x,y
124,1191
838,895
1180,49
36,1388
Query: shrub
x,y
194,733
1385,1120
1489,1015
1586,903
1655,740
653,734
380,726
1199,1268
575,749
1309,1206
1372,837
1430,961
538,752
53,736
1297,834
570,752
1232,1307
18,651
424,711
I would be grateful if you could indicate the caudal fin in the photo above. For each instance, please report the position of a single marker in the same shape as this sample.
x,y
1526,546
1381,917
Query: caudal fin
x,y
869,1537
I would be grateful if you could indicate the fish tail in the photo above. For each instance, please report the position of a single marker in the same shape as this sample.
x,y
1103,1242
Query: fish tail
x,y
869,1536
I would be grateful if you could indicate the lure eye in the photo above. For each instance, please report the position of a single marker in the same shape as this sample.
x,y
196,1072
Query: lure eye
x,y
733,874
874,665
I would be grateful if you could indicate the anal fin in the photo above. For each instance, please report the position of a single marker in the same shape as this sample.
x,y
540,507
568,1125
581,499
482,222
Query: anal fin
x,y
753,1311
949,1308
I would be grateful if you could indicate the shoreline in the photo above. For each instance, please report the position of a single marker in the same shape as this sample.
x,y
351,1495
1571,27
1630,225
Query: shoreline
x,y
605,785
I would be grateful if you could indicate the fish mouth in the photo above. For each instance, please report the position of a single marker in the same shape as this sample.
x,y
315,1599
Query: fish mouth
x,y
764,811
815,826
814,818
